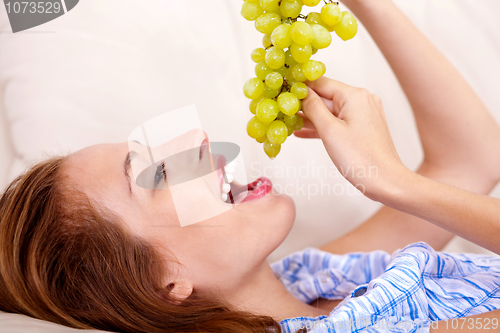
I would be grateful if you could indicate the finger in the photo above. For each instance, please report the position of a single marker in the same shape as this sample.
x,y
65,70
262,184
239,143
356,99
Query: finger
x,y
306,134
317,112
327,88
332,91
307,123
329,105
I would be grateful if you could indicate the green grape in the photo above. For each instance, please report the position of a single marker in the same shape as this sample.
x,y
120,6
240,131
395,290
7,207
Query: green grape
x,y
301,53
284,62
331,14
322,37
258,55
270,5
289,121
330,28
282,36
315,18
251,10
289,59
323,67
267,110
275,57
253,88
266,41
299,124
298,73
288,103
274,80
272,150
256,128
271,93
267,22
253,104
302,33
289,75
291,8
282,70
262,70
313,69
277,132
300,90
310,3
262,139
347,27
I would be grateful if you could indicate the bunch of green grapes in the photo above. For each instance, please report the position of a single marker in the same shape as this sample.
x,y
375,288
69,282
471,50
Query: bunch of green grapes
x,y
284,62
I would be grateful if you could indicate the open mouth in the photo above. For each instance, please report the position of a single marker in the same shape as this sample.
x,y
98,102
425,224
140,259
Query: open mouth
x,y
232,192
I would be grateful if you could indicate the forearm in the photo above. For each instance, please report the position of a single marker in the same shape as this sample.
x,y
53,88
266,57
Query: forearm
x,y
469,215
454,125
390,229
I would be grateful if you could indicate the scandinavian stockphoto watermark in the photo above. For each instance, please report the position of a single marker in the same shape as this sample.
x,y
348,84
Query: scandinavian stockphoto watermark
x,y
24,15
310,179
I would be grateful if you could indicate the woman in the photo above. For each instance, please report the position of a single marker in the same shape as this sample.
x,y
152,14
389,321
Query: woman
x,y
79,247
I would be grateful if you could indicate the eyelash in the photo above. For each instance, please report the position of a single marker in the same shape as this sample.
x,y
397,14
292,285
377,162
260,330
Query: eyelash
x,y
160,175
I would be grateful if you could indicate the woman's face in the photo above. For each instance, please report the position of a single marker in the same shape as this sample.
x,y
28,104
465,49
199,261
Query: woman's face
x,y
220,252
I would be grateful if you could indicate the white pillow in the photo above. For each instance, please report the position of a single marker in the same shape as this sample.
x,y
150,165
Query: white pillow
x,y
14,323
97,72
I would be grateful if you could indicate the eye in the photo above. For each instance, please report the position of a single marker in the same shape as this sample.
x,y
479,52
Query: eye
x,y
160,175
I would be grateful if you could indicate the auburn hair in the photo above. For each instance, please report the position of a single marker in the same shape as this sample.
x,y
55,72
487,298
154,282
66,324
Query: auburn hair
x,y
65,259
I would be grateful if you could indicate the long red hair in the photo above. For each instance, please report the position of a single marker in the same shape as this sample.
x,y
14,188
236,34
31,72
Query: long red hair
x,y
66,260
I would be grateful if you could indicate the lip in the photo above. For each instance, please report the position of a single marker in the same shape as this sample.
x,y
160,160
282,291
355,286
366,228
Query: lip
x,y
261,191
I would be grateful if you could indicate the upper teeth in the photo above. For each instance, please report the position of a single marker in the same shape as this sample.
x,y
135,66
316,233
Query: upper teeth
x,y
229,177
231,167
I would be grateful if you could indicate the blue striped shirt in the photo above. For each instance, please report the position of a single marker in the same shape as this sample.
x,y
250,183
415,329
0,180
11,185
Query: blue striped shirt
x,y
402,292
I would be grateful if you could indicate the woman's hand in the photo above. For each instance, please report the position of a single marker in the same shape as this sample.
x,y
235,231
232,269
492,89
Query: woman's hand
x,y
357,5
354,131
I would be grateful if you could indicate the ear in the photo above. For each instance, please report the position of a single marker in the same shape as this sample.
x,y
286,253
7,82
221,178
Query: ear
x,y
180,291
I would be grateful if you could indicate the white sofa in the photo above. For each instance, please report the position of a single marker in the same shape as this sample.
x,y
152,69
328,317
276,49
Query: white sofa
x,y
99,71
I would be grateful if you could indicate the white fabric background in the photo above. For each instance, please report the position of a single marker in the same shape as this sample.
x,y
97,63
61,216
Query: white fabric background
x,y
96,73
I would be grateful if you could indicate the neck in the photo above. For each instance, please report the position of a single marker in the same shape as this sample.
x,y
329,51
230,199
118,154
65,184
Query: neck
x,y
264,294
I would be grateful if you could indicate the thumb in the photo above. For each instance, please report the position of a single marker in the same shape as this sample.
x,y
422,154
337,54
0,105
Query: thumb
x,y
318,113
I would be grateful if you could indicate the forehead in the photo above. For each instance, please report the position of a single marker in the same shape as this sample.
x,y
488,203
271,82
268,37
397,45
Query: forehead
x,y
98,166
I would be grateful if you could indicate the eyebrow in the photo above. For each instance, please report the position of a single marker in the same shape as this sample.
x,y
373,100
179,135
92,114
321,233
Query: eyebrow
x,y
126,169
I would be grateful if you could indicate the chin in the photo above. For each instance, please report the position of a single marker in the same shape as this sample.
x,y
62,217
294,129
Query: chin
x,y
280,217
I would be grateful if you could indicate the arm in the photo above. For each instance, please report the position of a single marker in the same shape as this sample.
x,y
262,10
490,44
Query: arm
x,y
456,130
455,127
356,131
466,214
